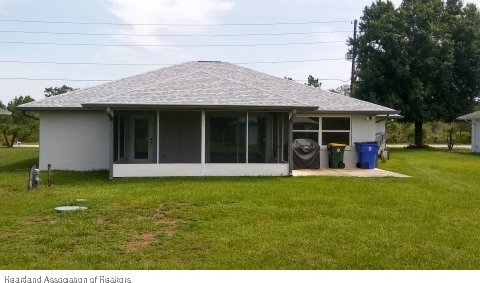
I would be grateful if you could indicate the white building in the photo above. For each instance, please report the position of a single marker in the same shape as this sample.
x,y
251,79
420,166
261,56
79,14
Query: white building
x,y
474,118
197,119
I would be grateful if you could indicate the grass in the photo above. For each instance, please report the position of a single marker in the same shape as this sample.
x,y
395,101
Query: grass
x,y
429,221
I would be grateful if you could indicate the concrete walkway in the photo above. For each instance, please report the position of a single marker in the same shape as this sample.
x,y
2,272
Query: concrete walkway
x,y
366,173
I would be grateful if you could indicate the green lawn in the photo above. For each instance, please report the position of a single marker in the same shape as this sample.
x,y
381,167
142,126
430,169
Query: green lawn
x,y
430,221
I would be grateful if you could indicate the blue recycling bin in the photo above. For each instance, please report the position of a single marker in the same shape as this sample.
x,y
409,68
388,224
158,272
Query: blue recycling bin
x,y
367,154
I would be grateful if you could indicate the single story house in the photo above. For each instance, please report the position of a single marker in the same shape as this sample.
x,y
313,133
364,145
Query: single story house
x,y
475,120
204,118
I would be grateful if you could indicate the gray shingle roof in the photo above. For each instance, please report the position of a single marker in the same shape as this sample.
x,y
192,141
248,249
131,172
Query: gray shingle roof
x,y
471,116
206,85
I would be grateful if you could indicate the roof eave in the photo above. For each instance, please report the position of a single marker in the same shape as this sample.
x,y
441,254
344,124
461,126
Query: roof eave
x,y
468,118
49,108
194,106
357,112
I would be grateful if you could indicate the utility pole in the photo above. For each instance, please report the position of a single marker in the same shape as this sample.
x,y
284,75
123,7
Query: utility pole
x,y
354,55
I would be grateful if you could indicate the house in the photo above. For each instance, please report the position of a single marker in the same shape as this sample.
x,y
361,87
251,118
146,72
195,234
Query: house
x,y
475,120
204,118
4,112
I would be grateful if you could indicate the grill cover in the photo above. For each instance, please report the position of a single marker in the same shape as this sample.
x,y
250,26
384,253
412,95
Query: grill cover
x,y
306,154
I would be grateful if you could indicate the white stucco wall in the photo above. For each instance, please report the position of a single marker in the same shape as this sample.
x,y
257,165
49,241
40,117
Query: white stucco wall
x,y
208,169
363,129
74,140
476,136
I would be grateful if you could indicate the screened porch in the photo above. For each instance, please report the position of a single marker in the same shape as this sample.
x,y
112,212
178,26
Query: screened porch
x,y
199,143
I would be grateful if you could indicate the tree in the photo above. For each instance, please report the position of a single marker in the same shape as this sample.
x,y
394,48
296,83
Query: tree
x,y
17,126
52,91
3,106
312,81
421,58
343,89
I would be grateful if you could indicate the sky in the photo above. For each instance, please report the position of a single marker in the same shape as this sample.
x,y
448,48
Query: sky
x,y
113,39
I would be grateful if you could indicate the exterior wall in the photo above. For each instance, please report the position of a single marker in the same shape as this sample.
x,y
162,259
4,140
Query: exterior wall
x,y
208,169
79,140
476,136
363,129
74,140
156,170
250,169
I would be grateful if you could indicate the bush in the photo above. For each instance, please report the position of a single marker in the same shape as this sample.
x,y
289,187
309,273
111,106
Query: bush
x,y
433,132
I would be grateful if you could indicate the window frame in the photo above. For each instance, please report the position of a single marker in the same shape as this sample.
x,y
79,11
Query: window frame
x,y
317,131
349,131
320,128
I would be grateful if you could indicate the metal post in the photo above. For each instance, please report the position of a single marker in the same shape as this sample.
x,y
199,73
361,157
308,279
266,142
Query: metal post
x,y
290,141
30,178
354,54
158,136
49,175
203,143
246,140
110,139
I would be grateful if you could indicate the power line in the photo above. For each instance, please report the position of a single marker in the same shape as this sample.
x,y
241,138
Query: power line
x,y
171,45
173,35
53,79
163,64
172,24
105,80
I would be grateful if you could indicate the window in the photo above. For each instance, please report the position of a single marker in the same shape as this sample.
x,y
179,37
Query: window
x,y
335,130
306,128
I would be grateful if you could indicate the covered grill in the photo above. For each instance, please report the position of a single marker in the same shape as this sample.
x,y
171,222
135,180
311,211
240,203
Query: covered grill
x,y
306,154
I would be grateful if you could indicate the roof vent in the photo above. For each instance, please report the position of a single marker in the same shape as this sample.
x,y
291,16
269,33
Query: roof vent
x,y
209,61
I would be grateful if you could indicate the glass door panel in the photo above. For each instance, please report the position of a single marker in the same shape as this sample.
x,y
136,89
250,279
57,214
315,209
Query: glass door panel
x,y
141,139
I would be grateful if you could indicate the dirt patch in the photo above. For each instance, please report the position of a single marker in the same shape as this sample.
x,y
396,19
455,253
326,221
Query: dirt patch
x,y
162,217
101,220
41,221
140,241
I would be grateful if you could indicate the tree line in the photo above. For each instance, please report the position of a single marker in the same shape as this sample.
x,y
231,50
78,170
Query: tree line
x,y
20,126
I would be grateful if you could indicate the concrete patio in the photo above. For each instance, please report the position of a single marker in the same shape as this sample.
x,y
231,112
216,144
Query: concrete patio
x,y
364,173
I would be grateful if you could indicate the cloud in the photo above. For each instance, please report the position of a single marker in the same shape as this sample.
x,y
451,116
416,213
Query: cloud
x,y
187,12
2,7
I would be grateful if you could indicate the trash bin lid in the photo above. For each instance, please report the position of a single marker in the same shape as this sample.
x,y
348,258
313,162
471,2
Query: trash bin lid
x,y
332,144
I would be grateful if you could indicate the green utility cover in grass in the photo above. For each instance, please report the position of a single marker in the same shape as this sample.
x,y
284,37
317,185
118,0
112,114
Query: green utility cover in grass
x,y
69,208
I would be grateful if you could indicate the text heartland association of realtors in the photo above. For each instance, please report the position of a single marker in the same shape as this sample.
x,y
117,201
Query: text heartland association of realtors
x,y
47,279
